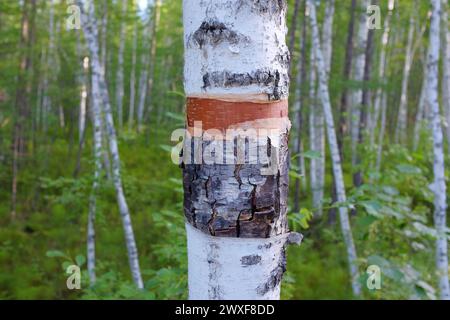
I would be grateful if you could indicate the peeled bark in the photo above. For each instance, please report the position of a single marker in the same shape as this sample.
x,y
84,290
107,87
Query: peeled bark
x,y
438,187
334,151
91,36
236,212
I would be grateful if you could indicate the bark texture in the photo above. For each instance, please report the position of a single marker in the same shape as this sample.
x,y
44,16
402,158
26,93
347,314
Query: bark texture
x,y
438,187
236,77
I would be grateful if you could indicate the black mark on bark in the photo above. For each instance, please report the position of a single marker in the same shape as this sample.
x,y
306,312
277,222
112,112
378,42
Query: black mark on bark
x,y
250,260
215,32
276,83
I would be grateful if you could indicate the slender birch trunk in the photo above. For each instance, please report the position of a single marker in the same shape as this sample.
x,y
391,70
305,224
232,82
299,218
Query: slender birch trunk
x,y
313,128
343,127
97,121
236,213
153,47
365,106
143,78
400,132
421,108
438,186
104,36
327,45
334,150
298,142
119,75
360,58
373,118
133,78
446,67
91,36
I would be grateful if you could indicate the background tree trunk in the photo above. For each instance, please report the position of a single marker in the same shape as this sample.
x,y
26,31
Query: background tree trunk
x,y
438,186
91,36
334,150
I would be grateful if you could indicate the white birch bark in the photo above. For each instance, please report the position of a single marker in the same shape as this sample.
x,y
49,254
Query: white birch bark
x,y
373,118
119,75
400,132
438,187
421,117
104,36
334,151
143,78
97,121
251,42
133,78
360,58
91,36
446,67
153,46
298,143
327,45
313,128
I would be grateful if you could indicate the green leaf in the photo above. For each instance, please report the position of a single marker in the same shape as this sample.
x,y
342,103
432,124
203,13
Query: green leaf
x,y
80,259
55,254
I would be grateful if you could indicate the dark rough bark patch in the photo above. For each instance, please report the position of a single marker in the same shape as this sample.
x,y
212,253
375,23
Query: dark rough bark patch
x,y
275,82
272,7
236,200
215,32
276,275
250,260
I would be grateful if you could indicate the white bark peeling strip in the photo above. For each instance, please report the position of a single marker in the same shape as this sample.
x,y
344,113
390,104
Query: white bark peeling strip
x,y
229,45
236,268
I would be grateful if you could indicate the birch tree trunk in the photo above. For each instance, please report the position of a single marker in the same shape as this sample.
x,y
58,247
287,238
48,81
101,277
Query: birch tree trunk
x,y
156,17
438,187
446,67
400,132
97,121
91,36
236,59
343,127
360,58
373,118
313,132
298,142
143,78
420,115
334,150
133,78
119,76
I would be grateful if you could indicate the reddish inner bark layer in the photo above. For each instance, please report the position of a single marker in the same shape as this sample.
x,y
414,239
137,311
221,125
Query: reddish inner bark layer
x,y
218,114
